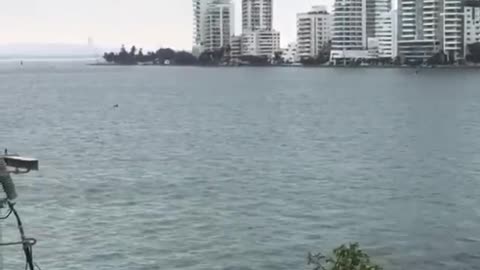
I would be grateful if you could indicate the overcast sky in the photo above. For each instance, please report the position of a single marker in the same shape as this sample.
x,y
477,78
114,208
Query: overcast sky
x,y
147,23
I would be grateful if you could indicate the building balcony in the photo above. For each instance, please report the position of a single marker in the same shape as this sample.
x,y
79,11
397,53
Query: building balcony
x,y
453,48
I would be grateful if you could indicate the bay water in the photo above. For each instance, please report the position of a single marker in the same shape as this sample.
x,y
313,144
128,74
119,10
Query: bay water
x,y
242,168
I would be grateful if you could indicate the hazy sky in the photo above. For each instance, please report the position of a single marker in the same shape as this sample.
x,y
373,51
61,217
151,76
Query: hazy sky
x,y
147,23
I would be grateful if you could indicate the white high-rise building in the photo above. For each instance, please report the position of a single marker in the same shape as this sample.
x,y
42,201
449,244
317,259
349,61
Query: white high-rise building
x,y
258,37
213,24
375,10
199,12
472,24
453,29
290,54
220,23
313,31
386,34
421,31
261,43
236,47
358,26
349,31
257,15
432,23
410,22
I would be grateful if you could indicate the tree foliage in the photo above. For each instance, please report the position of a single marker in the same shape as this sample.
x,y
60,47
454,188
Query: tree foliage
x,y
165,54
214,57
184,58
414,62
438,58
255,60
321,58
311,61
345,257
278,58
397,60
474,52
136,56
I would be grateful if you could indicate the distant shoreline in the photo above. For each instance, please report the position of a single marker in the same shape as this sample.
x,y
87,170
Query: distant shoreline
x,y
296,66
45,59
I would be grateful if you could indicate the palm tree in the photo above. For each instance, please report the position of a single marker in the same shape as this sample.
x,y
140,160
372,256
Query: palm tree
x,y
133,51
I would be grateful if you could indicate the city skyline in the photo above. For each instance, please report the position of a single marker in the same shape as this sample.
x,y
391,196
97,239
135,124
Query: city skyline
x,y
56,21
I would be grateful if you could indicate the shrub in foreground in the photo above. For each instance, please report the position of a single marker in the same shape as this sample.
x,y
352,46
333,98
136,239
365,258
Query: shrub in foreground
x,y
345,257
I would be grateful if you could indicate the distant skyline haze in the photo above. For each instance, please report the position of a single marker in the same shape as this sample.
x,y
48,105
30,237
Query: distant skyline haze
x,y
110,23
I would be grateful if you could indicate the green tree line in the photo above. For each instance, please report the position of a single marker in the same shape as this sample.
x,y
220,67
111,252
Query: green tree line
x,y
474,53
221,56
137,56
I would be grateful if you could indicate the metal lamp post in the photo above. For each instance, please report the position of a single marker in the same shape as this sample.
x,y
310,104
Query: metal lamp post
x,y
14,164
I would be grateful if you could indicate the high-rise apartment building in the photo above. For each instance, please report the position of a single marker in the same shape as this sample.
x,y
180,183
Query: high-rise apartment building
x,y
313,31
213,24
199,12
290,53
349,30
257,15
471,24
236,47
356,26
260,43
429,26
374,12
431,14
420,26
386,34
453,41
219,26
258,37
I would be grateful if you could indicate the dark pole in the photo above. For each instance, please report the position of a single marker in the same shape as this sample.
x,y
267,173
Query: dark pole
x,y
27,243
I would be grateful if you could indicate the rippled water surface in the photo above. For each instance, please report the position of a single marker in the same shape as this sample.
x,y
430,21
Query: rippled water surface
x,y
243,168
